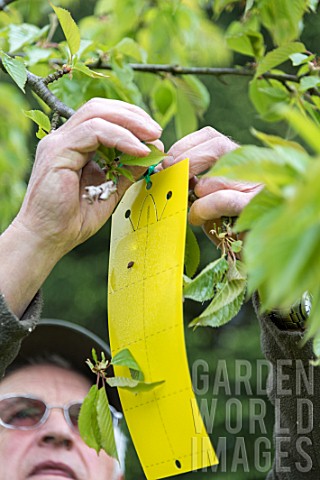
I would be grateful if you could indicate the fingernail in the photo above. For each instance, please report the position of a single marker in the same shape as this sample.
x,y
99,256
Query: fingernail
x,y
145,148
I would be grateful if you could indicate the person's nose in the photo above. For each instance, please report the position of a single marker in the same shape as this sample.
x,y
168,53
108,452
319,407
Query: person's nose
x,y
55,432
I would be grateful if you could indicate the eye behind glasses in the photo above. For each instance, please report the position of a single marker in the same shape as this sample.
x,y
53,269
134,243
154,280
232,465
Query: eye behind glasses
x,y
23,412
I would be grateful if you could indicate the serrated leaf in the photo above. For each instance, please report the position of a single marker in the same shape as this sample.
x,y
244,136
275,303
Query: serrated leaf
x,y
124,358
69,27
133,385
278,56
154,157
192,253
88,422
16,69
274,168
104,417
224,306
202,287
292,265
236,270
39,118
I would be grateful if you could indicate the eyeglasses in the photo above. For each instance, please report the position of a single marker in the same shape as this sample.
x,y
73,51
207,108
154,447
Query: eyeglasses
x,y
24,412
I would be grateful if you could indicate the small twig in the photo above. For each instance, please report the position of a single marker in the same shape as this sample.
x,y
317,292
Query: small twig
x,y
55,120
52,77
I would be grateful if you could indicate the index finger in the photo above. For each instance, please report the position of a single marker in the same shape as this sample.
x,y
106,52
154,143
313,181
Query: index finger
x,y
126,115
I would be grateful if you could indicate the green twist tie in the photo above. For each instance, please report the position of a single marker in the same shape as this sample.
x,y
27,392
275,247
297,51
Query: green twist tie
x,y
149,172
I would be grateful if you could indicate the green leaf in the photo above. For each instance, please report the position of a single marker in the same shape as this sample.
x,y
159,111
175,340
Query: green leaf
x,y
185,118
131,48
192,252
39,118
107,439
16,69
249,5
70,28
134,386
266,95
124,358
298,59
236,270
154,157
292,266
273,167
88,422
20,35
224,306
304,126
194,91
283,19
261,204
163,101
278,56
307,83
203,286
275,141
245,40
236,246
125,172
107,153
81,67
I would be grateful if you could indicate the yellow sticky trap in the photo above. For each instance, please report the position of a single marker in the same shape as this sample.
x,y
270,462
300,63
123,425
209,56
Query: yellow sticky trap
x,y
146,316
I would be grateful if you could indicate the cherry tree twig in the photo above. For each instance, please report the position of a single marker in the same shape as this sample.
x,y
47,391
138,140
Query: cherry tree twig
x,y
248,71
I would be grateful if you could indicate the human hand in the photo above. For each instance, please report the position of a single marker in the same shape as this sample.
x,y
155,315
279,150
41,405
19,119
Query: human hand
x,y
53,209
54,216
216,197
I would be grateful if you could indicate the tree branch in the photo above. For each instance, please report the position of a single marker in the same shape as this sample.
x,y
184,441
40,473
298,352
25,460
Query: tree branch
x,y
5,3
214,71
38,85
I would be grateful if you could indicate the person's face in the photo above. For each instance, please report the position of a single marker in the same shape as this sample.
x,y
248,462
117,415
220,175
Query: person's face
x,y
53,451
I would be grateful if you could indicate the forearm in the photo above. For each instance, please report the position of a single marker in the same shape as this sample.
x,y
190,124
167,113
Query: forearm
x,y
294,390
25,264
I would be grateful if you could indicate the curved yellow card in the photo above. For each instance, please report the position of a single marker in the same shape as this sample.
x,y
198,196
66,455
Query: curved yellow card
x,y
146,316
